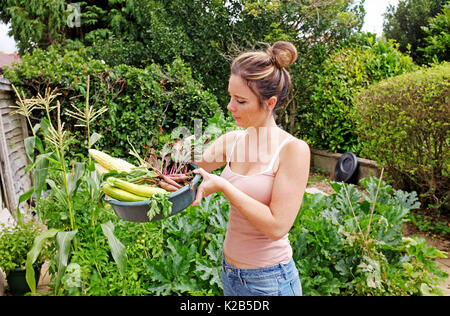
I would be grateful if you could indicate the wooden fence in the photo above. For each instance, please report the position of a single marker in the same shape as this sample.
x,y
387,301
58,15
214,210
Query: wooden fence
x,y
13,158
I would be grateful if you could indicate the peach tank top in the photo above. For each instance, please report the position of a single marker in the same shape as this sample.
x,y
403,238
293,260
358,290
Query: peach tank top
x,y
244,243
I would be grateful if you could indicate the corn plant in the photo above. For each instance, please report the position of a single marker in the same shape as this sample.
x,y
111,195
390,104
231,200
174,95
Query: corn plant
x,y
51,153
86,118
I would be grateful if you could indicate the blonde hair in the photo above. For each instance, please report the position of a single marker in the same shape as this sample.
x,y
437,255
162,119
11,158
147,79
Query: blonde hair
x,y
265,73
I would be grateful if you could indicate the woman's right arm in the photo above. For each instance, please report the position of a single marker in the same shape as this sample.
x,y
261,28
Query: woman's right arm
x,y
215,156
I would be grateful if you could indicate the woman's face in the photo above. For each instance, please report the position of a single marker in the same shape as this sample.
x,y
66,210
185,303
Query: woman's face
x,y
244,104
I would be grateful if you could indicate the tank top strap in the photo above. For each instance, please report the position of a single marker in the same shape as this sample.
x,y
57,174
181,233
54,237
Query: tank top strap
x,y
234,145
274,158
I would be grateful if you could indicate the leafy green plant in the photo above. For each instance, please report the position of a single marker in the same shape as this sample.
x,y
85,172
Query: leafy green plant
x,y
65,183
351,243
142,103
15,243
428,224
438,37
404,124
346,71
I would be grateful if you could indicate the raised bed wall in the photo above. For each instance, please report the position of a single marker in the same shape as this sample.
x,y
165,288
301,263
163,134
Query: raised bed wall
x,y
324,160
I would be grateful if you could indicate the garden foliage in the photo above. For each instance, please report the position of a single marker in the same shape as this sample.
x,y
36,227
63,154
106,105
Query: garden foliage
x,y
142,102
405,23
182,254
405,125
362,62
437,46
351,243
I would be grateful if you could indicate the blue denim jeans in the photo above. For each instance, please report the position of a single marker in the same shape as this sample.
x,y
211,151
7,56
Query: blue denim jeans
x,y
277,280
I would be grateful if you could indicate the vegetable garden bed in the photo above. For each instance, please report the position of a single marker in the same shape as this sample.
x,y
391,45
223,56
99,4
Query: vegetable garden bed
x,y
182,254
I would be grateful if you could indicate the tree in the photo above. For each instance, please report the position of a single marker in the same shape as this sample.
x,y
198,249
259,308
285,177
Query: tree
x,y
207,34
404,24
438,40
34,23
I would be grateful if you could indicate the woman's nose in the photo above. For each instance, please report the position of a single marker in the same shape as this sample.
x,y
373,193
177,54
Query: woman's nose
x,y
230,107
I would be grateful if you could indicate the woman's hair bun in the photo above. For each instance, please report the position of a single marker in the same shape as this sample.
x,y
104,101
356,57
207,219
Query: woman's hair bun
x,y
283,53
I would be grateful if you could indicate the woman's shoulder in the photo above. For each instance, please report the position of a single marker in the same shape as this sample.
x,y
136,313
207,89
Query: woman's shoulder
x,y
294,146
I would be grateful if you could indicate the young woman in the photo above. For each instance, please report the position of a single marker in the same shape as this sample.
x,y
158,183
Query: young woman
x,y
264,178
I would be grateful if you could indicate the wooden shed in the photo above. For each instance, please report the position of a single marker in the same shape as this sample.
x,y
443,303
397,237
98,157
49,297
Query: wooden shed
x,y
13,158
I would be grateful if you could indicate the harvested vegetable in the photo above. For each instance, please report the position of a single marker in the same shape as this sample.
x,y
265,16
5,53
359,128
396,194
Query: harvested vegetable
x,y
156,174
142,190
166,186
109,162
121,195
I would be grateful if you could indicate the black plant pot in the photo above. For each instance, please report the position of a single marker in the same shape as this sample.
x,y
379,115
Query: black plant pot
x,y
17,282
347,168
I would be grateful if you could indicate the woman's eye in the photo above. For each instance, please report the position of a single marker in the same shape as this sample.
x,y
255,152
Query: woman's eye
x,y
240,102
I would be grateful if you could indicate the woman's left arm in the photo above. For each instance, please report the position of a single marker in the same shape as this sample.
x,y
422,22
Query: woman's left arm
x,y
274,220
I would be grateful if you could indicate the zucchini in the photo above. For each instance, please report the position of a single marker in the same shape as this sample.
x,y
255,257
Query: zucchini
x,y
138,189
121,195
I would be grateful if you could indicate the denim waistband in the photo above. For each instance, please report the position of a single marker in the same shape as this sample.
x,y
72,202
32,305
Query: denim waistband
x,y
281,268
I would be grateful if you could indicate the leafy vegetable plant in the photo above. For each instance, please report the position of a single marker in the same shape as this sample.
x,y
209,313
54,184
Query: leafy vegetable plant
x,y
351,243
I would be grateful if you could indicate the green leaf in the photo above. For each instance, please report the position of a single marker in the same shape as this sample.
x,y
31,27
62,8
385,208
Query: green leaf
x,y
22,198
74,177
63,240
158,202
33,254
94,138
59,193
118,250
29,147
40,173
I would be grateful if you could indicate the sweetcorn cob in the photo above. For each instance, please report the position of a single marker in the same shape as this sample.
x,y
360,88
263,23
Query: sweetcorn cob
x,y
100,169
110,162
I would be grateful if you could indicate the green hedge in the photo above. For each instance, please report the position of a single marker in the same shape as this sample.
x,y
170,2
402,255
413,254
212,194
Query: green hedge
x,y
345,72
404,123
142,102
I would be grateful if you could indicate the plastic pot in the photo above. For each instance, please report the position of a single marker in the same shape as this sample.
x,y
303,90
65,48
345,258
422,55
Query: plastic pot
x,y
346,168
17,282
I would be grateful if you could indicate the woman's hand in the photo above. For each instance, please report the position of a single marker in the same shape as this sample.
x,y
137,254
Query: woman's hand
x,y
211,183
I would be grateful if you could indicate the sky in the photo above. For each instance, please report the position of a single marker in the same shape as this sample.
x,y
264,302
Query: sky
x,y
373,23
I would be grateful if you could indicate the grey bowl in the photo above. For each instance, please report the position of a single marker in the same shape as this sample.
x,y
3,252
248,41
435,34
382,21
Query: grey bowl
x,y
137,211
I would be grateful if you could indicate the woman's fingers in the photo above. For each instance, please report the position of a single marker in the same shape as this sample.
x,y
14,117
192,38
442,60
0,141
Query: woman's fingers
x,y
200,191
198,197
201,171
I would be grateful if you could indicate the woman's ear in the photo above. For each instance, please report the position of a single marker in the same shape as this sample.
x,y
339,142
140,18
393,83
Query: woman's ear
x,y
271,102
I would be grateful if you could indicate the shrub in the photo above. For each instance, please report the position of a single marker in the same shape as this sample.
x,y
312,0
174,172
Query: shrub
x,y
15,242
344,73
404,124
153,100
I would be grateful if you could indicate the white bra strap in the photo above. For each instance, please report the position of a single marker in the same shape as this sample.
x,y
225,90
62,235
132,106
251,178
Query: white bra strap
x,y
274,158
